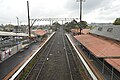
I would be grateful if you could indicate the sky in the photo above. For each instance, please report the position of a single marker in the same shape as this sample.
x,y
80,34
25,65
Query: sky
x,y
94,11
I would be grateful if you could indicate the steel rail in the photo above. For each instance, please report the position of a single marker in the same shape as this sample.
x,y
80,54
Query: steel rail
x,y
37,77
67,58
13,77
83,61
71,50
42,53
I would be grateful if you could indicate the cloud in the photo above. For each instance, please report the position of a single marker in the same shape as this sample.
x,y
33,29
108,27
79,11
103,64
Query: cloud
x,y
89,7
93,10
107,13
72,5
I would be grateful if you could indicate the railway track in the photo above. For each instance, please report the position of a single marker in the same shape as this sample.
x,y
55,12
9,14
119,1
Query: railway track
x,y
36,69
56,61
74,70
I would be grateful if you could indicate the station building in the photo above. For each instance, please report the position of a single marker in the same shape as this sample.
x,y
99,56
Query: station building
x,y
11,43
39,34
102,46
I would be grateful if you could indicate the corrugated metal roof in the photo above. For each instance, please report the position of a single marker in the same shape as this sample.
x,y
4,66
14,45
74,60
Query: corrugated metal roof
x,y
100,47
114,33
114,62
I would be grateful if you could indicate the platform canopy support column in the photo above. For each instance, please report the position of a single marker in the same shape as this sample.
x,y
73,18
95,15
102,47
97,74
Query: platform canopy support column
x,y
112,73
103,66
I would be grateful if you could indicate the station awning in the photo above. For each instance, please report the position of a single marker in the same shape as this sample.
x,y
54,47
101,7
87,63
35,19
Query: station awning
x,y
2,33
100,47
114,62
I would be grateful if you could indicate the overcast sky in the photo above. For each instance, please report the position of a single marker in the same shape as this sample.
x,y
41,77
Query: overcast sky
x,y
101,11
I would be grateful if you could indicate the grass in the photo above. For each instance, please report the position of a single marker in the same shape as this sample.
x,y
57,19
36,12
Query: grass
x,y
27,69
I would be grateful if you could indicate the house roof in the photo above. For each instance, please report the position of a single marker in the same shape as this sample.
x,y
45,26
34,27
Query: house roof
x,y
100,47
75,30
84,31
39,32
114,62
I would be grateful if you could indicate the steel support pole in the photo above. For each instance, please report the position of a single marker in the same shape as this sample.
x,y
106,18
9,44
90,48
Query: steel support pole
x,y
17,21
112,74
89,55
52,21
32,23
80,10
17,31
28,19
65,20
62,22
103,66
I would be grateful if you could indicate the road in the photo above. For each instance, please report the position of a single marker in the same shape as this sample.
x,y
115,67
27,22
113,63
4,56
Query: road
x,y
56,61
12,62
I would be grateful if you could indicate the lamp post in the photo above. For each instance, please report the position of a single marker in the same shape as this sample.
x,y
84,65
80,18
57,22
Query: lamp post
x,y
17,21
17,27
17,31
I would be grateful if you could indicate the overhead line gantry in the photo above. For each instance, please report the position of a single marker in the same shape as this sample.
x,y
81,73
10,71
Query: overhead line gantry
x,y
53,19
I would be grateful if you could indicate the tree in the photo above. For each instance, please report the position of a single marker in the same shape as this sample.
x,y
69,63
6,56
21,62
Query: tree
x,y
117,21
55,25
9,27
75,25
83,24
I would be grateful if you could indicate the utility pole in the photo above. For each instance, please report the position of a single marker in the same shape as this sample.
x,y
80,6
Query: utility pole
x,y
17,31
80,1
80,10
17,21
28,19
